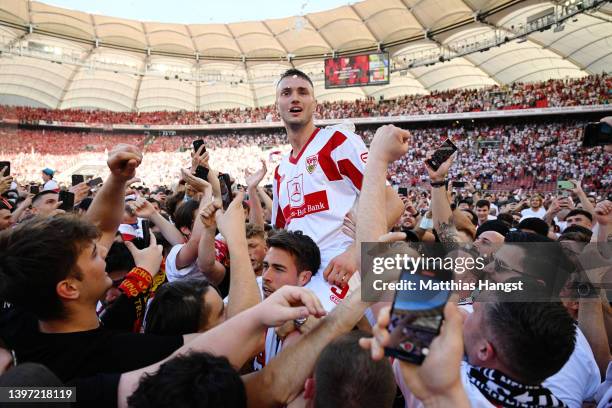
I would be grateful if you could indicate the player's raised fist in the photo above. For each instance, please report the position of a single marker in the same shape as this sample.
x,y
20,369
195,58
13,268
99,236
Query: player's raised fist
x,y
390,143
123,160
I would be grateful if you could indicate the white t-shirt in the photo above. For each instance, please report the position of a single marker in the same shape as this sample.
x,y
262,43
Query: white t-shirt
x,y
579,378
529,213
604,392
173,273
51,185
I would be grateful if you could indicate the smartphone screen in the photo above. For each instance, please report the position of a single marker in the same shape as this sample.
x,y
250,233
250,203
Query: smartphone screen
x,y
146,232
226,193
7,165
77,179
197,144
201,172
67,199
442,154
565,185
459,184
94,182
597,134
416,318
34,189
403,191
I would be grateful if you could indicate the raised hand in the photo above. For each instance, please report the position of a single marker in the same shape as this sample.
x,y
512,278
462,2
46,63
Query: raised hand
x,y
123,161
440,174
231,221
603,212
201,186
149,258
390,143
288,303
207,214
253,179
142,208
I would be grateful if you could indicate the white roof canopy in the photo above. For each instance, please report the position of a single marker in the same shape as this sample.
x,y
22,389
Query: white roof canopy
x,y
238,62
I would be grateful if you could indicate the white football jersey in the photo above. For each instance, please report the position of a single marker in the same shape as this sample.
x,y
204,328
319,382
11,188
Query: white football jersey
x,y
313,192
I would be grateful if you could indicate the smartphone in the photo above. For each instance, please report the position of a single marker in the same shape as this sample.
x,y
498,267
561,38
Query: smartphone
x,y
197,144
34,189
94,182
226,194
67,199
403,191
416,316
6,164
597,134
459,184
146,232
77,179
201,172
442,154
139,242
564,185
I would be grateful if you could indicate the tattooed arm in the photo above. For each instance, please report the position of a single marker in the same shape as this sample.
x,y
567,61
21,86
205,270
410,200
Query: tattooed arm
x,y
443,219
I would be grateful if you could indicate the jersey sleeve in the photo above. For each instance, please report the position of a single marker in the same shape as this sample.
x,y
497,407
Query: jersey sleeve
x,y
278,219
350,158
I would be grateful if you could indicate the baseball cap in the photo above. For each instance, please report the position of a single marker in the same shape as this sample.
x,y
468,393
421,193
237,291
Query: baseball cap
x,y
48,172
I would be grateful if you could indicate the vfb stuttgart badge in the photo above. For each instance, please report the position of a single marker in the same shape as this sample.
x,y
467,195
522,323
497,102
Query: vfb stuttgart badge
x,y
311,163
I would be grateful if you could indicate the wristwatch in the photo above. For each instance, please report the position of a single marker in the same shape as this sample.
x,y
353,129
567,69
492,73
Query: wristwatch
x,y
438,183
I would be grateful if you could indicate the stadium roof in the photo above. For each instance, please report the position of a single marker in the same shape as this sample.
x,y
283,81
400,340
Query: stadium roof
x,y
59,58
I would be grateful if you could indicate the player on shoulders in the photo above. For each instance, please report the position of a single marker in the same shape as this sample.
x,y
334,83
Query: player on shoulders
x,y
318,183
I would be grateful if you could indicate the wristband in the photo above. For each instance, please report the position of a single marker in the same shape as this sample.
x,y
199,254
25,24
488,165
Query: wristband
x,y
438,183
136,282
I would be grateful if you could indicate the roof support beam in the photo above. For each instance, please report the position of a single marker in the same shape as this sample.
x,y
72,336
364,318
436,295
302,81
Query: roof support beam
x,y
246,68
74,72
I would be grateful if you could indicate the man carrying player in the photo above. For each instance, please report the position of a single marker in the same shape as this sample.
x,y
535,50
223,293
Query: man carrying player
x,y
318,183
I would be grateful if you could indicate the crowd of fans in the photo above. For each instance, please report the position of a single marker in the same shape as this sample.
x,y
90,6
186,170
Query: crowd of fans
x,y
239,273
178,320
508,156
590,90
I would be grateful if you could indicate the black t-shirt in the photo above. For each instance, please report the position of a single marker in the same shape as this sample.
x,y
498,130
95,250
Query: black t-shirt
x,y
88,353
99,391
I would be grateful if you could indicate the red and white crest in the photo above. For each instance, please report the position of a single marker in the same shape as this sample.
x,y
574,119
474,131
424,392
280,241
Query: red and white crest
x,y
311,163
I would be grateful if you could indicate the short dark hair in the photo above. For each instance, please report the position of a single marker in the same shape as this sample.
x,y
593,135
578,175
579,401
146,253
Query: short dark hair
x,y
119,258
493,225
506,218
303,249
535,339
178,308
295,72
576,233
38,254
184,214
358,382
580,211
483,203
537,225
43,193
193,380
467,201
544,259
